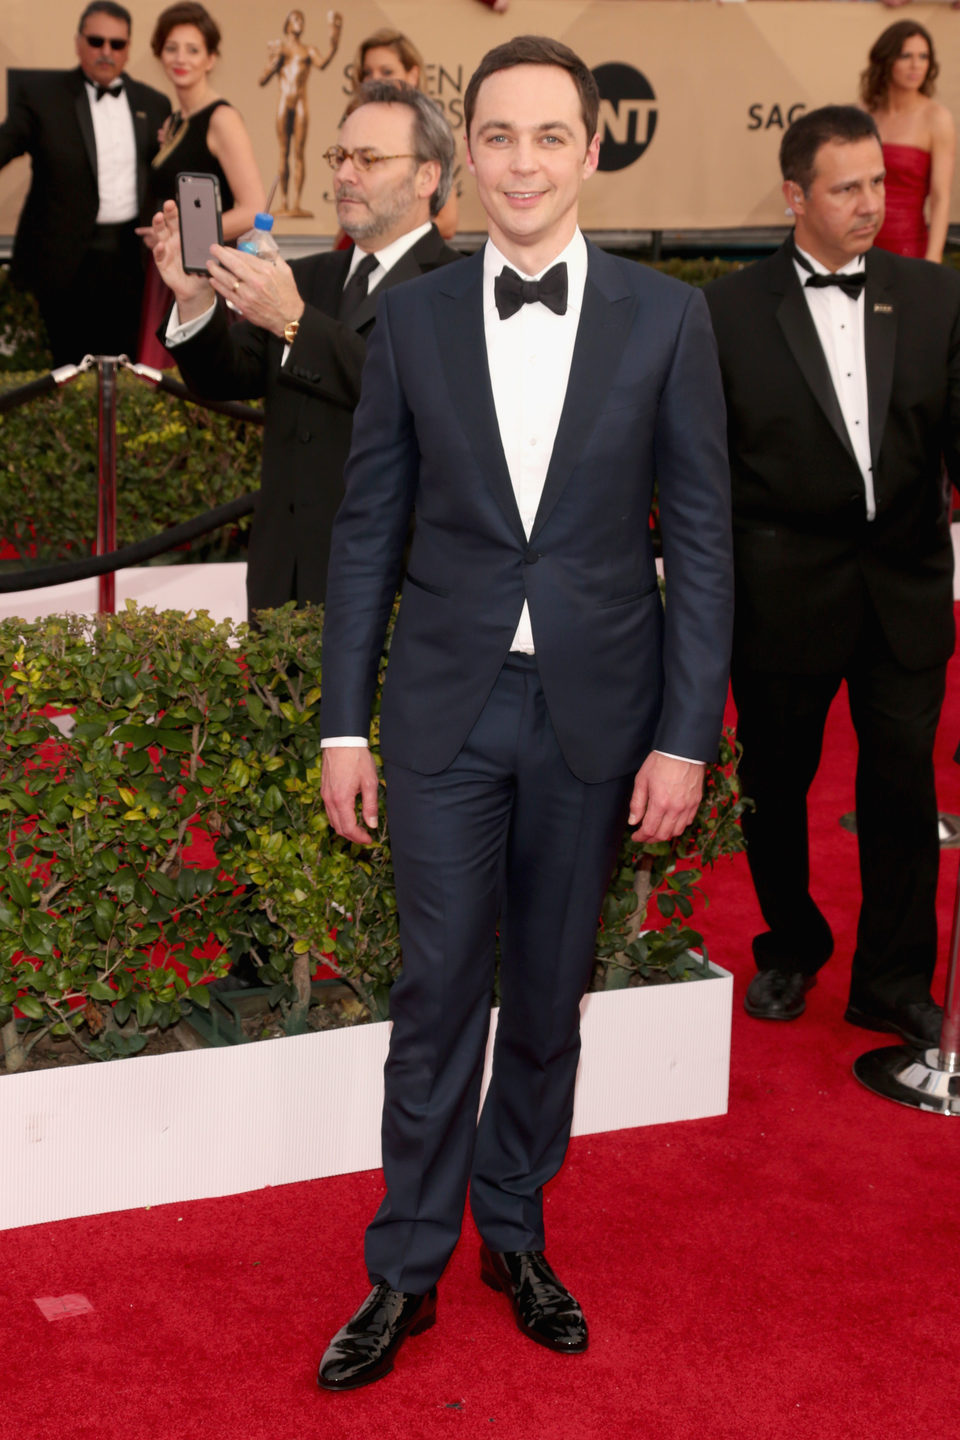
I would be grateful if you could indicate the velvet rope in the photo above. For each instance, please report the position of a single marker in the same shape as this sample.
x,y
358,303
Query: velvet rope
x,y
135,554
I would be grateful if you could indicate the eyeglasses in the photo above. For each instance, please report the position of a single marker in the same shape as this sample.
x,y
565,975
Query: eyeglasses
x,y
97,42
363,158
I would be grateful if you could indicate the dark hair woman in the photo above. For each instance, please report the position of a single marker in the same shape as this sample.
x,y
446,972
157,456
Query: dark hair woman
x,y
918,138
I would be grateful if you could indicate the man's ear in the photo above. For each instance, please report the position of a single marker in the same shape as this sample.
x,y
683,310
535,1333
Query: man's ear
x,y
428,178
470,165
794,196
592,157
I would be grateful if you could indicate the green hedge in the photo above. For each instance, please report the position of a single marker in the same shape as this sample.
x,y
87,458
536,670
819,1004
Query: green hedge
x,y
182,731
174,461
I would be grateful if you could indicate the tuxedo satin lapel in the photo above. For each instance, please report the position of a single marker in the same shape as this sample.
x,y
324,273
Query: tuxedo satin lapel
x,y
880,341
84,120
408,267
796,322
327,282
605,322
459,310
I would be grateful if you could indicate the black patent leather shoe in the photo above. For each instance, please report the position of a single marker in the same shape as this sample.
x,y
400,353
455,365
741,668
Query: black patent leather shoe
x,y
778,994
363,1351
918,1022
543,1308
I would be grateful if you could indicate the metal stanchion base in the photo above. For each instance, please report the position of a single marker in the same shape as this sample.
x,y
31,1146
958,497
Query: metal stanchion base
x,y
911,1077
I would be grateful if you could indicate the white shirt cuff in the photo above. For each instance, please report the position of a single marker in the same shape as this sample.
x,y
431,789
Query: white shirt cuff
x,y
685,758
178,331
336,742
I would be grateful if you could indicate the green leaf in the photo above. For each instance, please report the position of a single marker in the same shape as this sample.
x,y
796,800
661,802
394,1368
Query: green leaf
x,y
30,1006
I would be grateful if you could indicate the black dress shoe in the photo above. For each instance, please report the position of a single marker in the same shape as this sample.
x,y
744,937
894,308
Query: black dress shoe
x,y
363,1350
778,994
544,1310
918,1022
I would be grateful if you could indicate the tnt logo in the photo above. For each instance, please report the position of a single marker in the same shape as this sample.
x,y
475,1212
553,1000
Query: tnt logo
x,y
628,115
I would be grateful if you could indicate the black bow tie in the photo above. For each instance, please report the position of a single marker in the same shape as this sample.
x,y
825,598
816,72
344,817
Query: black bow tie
x,y
511,291
851,285
115,89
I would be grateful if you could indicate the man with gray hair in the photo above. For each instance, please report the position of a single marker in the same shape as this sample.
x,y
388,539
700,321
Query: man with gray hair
x,y
305,326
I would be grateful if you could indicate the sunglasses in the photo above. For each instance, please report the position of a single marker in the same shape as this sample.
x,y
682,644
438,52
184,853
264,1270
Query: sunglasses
x,y
97,42
364,158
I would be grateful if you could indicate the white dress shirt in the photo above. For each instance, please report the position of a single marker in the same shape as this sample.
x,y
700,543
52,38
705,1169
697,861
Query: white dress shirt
x,y
839,322
177,333
529,359
116,156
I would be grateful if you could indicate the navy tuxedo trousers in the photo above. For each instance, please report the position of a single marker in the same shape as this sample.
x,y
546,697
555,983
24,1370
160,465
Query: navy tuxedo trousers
x,y
507,840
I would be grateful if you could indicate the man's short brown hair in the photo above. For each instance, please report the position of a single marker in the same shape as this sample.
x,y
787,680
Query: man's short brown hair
x,y
536,50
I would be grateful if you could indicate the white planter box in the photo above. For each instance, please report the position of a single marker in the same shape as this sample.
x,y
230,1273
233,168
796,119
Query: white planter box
x,y
87,1139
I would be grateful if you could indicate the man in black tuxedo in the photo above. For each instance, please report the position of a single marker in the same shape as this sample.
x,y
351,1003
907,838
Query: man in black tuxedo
x,y
537,698
304,336
90,134
841,368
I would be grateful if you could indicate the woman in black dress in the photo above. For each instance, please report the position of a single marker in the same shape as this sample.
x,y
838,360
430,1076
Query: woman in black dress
x,y
204,133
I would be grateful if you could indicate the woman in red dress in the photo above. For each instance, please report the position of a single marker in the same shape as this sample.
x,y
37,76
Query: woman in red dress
x,y
918,138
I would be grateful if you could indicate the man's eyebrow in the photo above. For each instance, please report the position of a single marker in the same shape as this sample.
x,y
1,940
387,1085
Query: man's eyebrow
x,y
509,125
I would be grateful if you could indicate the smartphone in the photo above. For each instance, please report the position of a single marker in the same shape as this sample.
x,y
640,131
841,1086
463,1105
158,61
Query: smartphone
x,y
198,200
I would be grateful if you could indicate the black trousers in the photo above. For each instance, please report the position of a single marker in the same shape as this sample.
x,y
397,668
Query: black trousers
x,y
895,713
506,836
99,312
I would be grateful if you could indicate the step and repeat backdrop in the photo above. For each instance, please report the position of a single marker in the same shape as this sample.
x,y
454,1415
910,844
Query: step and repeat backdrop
x,y
696,96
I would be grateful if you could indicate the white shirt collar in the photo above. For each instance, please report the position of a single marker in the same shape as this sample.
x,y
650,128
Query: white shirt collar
x,y
390,254
852,267
574,255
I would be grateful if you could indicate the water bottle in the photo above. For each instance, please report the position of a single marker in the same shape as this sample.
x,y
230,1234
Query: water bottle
x,y
259,240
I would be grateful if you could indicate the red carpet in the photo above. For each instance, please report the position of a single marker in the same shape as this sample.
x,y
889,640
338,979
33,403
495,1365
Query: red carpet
x,y
790,1271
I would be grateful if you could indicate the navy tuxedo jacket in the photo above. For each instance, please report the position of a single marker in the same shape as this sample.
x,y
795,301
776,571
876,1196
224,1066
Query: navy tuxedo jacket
x,y
644,403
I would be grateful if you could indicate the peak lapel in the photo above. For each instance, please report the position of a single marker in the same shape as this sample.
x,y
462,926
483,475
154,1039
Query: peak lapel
x,y
796,322
605,319
880,340
459,309
408,267
81,106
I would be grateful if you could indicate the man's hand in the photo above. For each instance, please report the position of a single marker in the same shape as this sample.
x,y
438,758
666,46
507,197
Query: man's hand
x,y
666,794
348,771
264,291
193,293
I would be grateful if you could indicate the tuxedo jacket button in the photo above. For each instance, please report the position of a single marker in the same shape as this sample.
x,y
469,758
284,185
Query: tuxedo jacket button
x,y
530,556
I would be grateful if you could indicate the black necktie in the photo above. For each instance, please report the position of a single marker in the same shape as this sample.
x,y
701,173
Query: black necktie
x,y
851,285
355,290
510,291
115,89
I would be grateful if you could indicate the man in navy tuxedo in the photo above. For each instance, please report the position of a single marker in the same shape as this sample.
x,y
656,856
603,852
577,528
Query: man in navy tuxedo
x,y
90,134
520,404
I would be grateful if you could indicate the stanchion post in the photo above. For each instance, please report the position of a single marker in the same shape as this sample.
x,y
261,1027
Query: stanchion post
x,y
107,475
949,1058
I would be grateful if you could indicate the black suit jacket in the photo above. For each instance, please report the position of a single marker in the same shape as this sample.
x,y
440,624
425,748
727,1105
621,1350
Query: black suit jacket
x,y
643,400
49,120
808,563
309,403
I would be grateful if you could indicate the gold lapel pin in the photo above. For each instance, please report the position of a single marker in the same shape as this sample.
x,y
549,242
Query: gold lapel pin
x,y
879,309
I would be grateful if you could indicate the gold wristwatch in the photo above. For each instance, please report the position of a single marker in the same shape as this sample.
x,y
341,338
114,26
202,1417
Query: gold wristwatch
x,y
290,331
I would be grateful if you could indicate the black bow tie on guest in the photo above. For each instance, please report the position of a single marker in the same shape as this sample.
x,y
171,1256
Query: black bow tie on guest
x,y
115,89
511,291
851,284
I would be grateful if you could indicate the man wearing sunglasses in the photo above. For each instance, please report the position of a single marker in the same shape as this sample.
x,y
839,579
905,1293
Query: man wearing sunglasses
x,y
304,337
90,134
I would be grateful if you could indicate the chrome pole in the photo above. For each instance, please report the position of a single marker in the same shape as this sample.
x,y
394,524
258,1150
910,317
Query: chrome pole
x,y
107,475
927,1079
